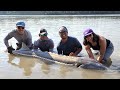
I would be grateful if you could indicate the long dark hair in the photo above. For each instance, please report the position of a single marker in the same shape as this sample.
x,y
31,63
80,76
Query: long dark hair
x,y
95,39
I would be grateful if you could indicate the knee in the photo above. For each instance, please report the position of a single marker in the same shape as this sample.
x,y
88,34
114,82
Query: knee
x,y
106,58
107,62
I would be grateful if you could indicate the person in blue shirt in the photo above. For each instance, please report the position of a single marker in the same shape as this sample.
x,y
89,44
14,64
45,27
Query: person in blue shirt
x,y
68,45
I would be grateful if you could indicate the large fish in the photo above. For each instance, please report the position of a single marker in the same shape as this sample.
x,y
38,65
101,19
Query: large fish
x,y
83,62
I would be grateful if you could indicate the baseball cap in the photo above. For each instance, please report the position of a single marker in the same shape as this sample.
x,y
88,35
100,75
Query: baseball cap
x,y
22,24
43,32
88,32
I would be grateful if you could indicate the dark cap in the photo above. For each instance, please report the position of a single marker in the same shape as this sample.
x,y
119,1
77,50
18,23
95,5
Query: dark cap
x,y
63,29
43,32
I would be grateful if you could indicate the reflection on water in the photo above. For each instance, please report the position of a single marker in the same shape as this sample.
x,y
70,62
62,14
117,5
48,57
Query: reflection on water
x,y
27,64
11,66
64,70
24,62
45,68
88,74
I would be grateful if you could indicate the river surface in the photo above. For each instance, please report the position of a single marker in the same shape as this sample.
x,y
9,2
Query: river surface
x,y
20,67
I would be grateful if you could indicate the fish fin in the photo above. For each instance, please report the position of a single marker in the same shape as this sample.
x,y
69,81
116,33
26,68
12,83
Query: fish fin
x,y
24,47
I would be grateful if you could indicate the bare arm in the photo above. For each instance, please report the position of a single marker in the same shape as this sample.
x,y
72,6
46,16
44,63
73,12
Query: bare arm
x,y
89,52
78,47
102,43
76,53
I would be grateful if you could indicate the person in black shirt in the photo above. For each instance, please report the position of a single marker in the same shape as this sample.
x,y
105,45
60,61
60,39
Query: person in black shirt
x,y
97,42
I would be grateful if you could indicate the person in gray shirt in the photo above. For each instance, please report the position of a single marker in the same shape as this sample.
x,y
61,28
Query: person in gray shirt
x,y
21,35
44,43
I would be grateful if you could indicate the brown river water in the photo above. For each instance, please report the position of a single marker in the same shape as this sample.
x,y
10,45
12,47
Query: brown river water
x,y
21,67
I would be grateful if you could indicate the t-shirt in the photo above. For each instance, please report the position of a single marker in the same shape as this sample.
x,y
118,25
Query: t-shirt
x,y
44,45
25,38
71,45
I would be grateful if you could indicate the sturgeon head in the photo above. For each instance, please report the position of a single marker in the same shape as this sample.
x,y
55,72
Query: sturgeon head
x,y
93,65
88,63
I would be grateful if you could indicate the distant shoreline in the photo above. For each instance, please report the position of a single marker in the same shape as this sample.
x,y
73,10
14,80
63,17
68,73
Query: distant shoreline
x,y
90,15
58,12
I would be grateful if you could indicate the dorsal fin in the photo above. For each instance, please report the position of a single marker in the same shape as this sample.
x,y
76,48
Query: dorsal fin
x,y
24,47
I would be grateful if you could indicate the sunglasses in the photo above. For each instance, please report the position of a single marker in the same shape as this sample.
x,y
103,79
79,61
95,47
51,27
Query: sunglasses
x,y
19,27
88,36
43,35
